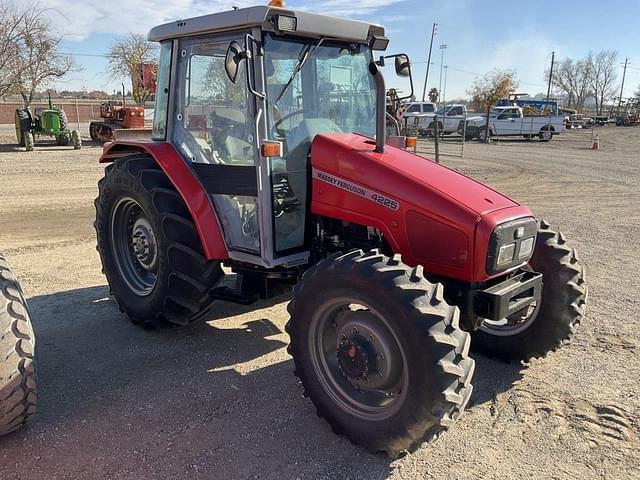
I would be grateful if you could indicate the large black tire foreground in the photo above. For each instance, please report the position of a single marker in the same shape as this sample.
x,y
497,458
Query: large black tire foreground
x,y
17,363
23,125
545,327
149,247
379,351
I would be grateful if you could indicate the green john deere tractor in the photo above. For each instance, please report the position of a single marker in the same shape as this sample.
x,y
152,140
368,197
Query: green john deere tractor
x,y
50,122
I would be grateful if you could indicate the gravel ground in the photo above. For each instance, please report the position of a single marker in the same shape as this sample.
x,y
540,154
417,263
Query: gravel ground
x,y
218,400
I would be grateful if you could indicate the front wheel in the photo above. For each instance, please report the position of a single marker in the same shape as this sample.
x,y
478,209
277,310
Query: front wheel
x,y
546,325
379,351
482,135
149,247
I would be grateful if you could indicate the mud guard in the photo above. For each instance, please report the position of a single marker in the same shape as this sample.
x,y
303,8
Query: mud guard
x,y
188,186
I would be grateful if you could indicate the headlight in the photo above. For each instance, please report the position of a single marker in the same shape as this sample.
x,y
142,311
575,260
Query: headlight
x,y
505,254
526,248
511,244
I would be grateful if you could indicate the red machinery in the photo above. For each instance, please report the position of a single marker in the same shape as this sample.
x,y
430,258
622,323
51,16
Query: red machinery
x,y
116,116
270,156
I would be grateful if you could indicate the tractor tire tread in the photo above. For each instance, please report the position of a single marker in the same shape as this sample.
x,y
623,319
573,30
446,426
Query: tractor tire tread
x,y
436,321
191,277
18,393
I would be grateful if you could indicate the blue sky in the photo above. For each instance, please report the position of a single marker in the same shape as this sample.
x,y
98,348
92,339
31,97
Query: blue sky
x,y
480,35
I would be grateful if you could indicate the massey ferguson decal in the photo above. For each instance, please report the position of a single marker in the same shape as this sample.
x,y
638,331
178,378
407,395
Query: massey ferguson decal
x,y
356,189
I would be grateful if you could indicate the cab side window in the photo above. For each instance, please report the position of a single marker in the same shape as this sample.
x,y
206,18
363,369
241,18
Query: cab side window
x,y
212,115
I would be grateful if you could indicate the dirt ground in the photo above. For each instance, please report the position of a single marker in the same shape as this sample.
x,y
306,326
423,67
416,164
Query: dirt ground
x,y
218,399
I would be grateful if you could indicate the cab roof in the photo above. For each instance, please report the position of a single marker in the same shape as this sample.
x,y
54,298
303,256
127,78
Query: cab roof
x,y
274,19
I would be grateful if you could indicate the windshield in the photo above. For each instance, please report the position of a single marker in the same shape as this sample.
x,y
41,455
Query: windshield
x,y
319,86
443,110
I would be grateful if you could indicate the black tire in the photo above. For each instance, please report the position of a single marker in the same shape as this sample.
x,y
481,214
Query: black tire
x,y
23,125
179,291
481,134
17,361
425,329
546,134
63,139
564,295
64,122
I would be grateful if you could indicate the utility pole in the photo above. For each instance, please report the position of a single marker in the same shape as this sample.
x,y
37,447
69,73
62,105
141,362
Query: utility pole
x,y
553,59
624,74
426,76
442,49
444,89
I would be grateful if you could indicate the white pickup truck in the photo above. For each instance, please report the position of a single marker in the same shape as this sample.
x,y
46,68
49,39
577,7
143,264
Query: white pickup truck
x,y
449,118
509,121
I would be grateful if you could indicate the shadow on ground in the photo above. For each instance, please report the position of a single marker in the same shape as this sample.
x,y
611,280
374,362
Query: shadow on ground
x,y
217,399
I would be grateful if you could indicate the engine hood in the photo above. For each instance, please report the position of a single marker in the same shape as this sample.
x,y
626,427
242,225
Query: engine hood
x,y
427,212
353,156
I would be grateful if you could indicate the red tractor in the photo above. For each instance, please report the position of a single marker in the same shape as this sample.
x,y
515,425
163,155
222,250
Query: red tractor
x,y
269,156
116,116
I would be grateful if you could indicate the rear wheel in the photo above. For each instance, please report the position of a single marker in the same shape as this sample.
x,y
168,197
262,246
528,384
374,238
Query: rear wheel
x,y
149,247
545,326
379,351
545,134
23,125
17,362
482,134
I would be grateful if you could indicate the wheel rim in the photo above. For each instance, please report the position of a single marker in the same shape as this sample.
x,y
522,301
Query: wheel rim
x,y
358,359
514,323
546,135
134,246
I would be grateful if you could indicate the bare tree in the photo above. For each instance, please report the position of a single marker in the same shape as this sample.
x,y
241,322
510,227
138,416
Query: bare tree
x,y
603,76
40,61
29,56
572,78
486,91
127,57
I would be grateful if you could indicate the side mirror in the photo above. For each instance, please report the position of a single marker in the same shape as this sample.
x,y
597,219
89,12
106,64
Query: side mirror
x,y
403,67
235,54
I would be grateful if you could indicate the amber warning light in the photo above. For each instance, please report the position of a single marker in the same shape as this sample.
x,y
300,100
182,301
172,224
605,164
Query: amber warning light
x,y
271,149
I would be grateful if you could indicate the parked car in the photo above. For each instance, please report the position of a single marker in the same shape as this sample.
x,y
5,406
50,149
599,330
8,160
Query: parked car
x,y
510,121
577,120
448,117
416,109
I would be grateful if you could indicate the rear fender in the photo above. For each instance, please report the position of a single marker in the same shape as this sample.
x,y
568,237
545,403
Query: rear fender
x,y
186,183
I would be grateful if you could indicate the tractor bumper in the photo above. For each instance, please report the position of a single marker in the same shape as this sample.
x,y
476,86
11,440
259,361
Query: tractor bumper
x,y
508,297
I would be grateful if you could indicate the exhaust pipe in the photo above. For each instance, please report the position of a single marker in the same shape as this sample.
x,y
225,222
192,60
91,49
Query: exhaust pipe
x,y
381,107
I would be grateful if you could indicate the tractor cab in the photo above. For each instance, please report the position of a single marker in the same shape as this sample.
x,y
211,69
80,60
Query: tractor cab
x,y
241,96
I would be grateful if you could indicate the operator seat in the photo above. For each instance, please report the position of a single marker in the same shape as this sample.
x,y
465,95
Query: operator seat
x,y
299,145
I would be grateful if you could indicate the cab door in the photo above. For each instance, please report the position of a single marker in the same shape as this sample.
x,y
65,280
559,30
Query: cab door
x,y
214,130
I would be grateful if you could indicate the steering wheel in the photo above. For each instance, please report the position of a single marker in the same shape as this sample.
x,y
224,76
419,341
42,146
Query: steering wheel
x,y
275,128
